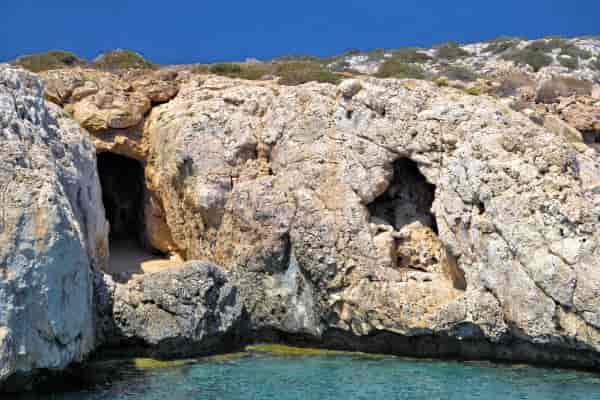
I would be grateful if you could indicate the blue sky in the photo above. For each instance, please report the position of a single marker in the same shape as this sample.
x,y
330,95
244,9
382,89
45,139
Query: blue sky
x,y
174,31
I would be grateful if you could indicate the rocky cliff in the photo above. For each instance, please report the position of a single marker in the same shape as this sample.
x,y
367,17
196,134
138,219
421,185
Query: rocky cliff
x,y
398,216
52,232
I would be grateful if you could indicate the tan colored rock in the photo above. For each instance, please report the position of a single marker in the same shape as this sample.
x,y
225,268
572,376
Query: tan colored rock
x,y
419,248
110,106
583,113
302,242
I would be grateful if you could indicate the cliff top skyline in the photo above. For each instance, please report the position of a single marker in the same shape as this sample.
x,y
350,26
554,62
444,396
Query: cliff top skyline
x,y
192,32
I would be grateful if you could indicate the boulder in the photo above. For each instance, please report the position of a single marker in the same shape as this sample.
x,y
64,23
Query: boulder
x,y
53,233
182,311
582,113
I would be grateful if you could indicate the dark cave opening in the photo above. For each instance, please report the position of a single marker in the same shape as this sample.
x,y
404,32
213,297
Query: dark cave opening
x,y
123,194
408,199
122,181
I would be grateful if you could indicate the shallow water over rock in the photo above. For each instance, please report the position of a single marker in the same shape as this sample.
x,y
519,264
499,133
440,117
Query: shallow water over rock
x,y
348,377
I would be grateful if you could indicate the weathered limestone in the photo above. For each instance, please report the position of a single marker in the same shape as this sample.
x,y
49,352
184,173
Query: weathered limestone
x,y
374,209
52,232
112,108
273,183
182,311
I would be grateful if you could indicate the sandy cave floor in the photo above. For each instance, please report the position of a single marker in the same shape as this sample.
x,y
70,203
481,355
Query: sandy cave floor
x,y
128,258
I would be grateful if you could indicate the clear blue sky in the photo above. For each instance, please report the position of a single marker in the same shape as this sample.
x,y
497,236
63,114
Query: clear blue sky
x,y
175,31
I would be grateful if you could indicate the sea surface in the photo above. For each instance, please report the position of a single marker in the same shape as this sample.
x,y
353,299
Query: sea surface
x,y
339,377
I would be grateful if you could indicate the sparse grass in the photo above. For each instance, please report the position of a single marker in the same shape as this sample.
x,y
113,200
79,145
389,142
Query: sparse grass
x,y
501,44
510,84
394,68
459,73
410,55
569,62
376,54
298,72
536,53
226,69
200,69
551,90
536,59
121,59
52,59
296,57
441,81
252,71
450,51
474,91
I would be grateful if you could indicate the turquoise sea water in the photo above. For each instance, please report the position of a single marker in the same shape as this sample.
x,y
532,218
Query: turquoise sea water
x,y
261,376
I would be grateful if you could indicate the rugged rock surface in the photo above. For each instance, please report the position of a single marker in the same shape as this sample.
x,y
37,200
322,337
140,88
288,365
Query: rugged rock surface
x,y
110,106
278,185
183,311
384,215
52,232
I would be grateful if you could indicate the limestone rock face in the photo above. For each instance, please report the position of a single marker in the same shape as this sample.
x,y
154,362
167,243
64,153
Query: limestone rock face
x,y
110,106
488,228
582,113
52,231
187,310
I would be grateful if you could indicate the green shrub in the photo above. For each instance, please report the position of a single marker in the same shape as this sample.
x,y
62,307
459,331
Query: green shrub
x,y
501,44
250,71
296,57
474,91
394,68
376,54
551,90
536,53
226,69
535,58
569,62
458,73
52,59
121,59
410,55
298,72
441,81
595,64
200,69
450,51
510,84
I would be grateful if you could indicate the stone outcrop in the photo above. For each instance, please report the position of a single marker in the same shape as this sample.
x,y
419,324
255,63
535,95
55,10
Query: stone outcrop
x,y
582,113
375,214
276,184
187,310
111,107
52,232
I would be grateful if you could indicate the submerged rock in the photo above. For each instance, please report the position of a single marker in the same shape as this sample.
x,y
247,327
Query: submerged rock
x,y
183,311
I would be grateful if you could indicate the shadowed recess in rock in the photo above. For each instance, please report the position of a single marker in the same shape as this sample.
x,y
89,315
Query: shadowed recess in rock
x,y
123,194
405,231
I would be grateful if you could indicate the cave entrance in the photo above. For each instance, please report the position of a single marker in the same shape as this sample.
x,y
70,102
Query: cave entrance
x,y
405,232
123,194
408,199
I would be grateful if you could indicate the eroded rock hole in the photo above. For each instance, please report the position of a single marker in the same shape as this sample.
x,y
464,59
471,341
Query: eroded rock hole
x,y
123,195
405,230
